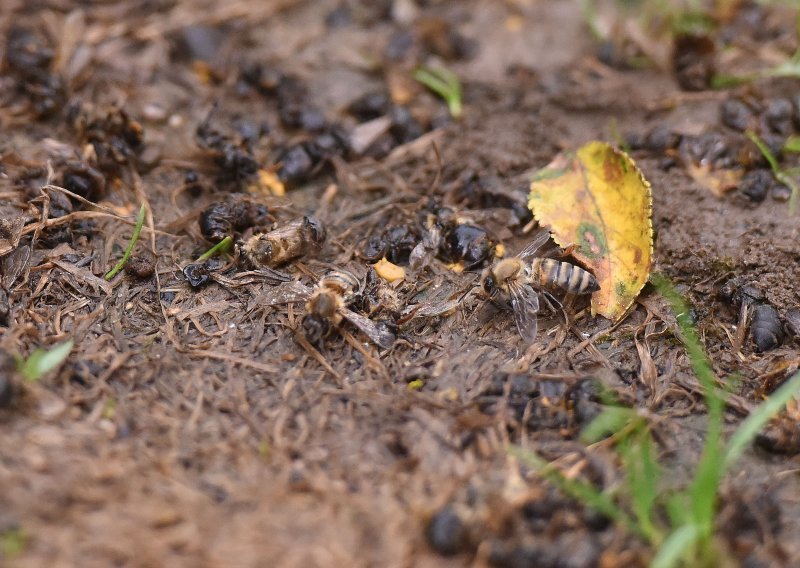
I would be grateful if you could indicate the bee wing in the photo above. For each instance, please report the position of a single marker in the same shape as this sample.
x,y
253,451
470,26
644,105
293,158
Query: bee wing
x,y
532,248
381,337
433,309
292,292
525,304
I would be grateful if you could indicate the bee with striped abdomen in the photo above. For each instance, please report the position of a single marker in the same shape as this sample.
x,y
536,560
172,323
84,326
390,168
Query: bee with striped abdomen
x,y
328,304
523,278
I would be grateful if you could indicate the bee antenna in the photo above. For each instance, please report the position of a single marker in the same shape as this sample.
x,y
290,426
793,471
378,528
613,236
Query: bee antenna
x,y
467,293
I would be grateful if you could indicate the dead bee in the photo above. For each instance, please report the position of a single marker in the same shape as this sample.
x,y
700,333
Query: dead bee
x,y
301,162
115,138
31,61
276,247
522,279
328,304
453,239
233,157
236,213
485,192
781,435
82,179
395,244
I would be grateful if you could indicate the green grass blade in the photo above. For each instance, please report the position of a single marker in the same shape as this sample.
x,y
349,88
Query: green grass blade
x,y
694,349
137,229
42,361
12,543
582,492
444,83
792,144
643,474
707,478
676,547
704,486
610,421
220,246
753,424
765,151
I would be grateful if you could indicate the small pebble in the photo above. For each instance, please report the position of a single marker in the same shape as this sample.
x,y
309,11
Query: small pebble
x,y
154,112
781,193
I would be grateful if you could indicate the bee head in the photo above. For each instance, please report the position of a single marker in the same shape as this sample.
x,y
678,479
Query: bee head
x,y
315,327
489,283
316,229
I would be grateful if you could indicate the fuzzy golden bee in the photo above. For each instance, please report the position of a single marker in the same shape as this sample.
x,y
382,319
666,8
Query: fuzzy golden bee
x,y
327,306
295,239
523,278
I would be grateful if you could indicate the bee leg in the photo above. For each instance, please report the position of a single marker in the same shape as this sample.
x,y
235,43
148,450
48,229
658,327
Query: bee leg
x,y
568,250
555,306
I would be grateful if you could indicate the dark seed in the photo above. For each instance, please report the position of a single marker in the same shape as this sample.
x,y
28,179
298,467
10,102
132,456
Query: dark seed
x,y
405,127
369,106
375,249
766,328
399,46
328,144
779,116
446,532
295,115
662,138
296,165
60,204
755,185
736,115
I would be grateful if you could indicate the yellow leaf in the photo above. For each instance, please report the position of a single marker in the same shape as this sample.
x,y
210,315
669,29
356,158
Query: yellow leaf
x,y
596,200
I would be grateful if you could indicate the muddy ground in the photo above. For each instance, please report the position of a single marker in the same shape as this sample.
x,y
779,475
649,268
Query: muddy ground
x,y
193,426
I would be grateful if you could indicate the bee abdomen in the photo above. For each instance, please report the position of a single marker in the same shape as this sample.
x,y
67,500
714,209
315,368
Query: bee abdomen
x,y
344,283
569,277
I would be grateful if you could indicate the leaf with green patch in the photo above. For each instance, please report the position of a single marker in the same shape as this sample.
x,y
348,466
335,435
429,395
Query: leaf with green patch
x,y
597,202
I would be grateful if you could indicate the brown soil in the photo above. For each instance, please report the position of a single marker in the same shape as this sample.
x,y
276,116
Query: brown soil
x,y
202,430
